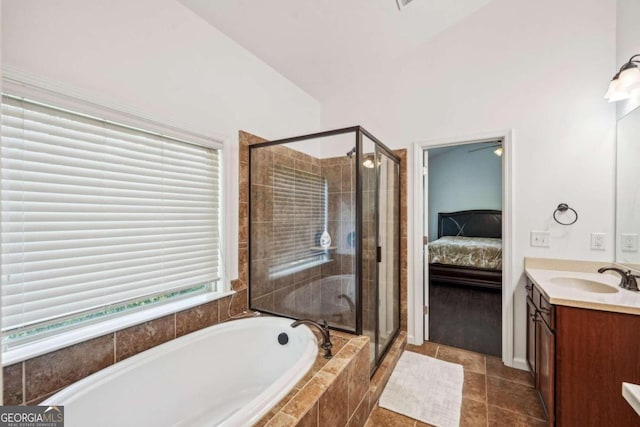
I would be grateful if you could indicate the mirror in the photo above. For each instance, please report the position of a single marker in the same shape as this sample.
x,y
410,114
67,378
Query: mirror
x,y
628,190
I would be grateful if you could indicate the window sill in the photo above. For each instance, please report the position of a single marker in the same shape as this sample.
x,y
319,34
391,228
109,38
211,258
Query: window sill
x,y
85,333
298,268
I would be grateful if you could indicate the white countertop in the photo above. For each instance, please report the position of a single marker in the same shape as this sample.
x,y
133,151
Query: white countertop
x,y
621,301
631,392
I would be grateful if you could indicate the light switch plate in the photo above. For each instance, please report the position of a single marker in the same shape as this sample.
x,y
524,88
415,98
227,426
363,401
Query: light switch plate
x,y
598,241
540,239
629,242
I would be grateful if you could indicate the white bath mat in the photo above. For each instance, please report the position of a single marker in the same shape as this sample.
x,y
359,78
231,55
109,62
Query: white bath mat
x,y
426,389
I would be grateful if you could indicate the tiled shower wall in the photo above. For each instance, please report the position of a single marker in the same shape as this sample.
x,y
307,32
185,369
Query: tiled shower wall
x,y
403,239
287,217
338,275
343,262
294,197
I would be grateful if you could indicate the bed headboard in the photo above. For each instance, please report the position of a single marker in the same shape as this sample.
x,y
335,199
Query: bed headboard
x,y
473,223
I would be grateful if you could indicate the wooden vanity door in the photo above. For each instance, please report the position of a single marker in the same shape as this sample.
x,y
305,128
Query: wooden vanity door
x,y
531,337
545,365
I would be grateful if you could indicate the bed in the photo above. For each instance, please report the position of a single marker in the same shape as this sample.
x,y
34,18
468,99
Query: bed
x,y
468,251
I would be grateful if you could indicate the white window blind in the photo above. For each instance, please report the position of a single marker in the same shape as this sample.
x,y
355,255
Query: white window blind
x,y
98,217
301,198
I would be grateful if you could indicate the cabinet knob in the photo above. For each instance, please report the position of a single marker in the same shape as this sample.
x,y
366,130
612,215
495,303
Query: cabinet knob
x,y
528,287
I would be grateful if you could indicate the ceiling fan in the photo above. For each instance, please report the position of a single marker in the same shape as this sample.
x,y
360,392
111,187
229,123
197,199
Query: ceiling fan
x,y
494,144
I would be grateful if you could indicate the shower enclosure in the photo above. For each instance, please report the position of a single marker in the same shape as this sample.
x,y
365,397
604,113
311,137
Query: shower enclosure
x,y
324,232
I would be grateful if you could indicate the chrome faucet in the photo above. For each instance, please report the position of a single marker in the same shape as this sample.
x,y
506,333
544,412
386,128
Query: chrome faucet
x,y
627,278
324,330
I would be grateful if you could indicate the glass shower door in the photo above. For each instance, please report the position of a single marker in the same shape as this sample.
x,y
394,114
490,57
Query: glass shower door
x,y
369,245
389,249
380,247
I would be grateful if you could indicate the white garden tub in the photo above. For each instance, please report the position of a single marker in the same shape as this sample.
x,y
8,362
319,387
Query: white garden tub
x,y
225,375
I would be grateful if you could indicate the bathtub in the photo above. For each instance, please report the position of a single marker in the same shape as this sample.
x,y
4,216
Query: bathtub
x,y
229,374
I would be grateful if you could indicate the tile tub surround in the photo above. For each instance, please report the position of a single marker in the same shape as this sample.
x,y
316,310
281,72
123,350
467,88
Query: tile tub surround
x,y
336,392
32,381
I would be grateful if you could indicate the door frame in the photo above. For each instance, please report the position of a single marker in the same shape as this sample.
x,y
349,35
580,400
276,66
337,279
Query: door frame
x,y
416,298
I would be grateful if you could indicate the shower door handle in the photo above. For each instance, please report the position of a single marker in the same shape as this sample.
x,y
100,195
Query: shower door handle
x,y
379,254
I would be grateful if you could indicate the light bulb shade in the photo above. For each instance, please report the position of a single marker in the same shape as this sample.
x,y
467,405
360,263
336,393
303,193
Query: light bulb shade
x,y
612,87
368,163
498,151
616,92
629,77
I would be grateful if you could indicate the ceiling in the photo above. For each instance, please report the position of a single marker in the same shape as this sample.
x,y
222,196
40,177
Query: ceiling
x,y
323,45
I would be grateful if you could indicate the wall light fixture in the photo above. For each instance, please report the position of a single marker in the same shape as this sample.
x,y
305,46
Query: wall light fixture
x,y
626,82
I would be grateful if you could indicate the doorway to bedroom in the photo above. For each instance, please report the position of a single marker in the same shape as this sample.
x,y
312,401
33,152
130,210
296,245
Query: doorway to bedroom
x,y
463,245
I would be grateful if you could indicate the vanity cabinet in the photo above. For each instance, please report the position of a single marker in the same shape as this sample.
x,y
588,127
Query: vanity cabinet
x,y
532,316
579,358
541,347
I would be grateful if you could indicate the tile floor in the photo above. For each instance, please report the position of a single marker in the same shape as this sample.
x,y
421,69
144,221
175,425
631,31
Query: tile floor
x,y
492,394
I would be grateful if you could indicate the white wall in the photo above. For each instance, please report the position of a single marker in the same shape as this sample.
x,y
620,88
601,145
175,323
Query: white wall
x,y
158,58
461,179
540,68
627,43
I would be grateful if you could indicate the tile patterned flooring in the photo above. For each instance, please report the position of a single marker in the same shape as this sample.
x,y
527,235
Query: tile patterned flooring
x,y
492,394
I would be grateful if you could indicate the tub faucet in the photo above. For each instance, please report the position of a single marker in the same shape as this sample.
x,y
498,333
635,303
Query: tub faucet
x,y
352,306
627,280
324,330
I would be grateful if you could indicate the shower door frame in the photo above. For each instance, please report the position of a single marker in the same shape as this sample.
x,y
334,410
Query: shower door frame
x,y
358,131
379,145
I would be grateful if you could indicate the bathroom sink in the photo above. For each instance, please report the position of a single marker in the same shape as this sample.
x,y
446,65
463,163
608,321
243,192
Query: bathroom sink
x,y
584,285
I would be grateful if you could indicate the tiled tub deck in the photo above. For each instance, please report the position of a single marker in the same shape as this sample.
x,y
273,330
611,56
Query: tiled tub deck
x,y
339,391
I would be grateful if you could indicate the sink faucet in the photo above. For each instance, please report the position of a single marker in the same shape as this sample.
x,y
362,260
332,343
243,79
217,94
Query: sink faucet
x,y
324,330
627,278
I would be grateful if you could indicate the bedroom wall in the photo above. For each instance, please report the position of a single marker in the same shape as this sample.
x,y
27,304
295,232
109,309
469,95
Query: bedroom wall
x,y
158,59
538,68
461,180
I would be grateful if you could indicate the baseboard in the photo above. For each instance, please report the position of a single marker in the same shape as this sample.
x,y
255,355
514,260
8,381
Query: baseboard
x,y
520,363
411,340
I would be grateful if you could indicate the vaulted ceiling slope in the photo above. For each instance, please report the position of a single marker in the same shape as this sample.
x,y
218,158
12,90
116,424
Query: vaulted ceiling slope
x,y
323,45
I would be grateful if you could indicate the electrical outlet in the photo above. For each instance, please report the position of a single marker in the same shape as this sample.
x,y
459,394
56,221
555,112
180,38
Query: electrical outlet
x,y
629,242
598,241
540,239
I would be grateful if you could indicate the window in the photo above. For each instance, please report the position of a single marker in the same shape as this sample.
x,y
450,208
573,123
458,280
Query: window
x,y
99,219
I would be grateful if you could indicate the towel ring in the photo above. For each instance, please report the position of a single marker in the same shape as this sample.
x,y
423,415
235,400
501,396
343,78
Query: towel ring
x,y
563,207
